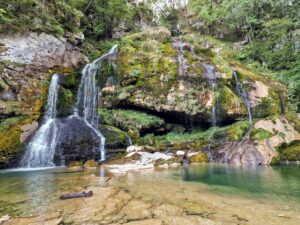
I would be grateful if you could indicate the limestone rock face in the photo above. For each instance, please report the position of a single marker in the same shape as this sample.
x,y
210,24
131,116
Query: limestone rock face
x,y
258,152
28,130
42,50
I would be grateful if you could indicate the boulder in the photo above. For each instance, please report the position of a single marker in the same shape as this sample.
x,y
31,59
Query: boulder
x,y
76,141
180,153
200,157
90,164
42,50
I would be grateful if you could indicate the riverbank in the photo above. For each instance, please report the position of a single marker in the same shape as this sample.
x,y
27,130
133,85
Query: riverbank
x,y
186,195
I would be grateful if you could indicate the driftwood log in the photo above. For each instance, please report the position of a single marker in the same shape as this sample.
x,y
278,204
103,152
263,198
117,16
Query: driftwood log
x,y
76,195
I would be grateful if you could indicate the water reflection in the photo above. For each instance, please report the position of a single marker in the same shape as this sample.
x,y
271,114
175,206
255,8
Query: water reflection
x,y
278,182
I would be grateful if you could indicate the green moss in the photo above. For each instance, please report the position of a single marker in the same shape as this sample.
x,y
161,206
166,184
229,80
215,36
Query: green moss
x,y
10,145
294,120
238,130
229,101
275,161
269,106
7,123
106,116
260,134
135,120
114,137
71,80
200,157
75,164
66,101
90,164
290,152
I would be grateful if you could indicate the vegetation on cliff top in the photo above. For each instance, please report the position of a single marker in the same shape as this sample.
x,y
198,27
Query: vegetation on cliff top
x,y
269,31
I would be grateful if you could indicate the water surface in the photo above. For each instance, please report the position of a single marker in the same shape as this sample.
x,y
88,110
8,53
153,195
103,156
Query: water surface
x,y
34,193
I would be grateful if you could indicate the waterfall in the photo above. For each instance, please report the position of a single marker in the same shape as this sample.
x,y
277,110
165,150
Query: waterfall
x,y
40,151
88,96
242,93
212,78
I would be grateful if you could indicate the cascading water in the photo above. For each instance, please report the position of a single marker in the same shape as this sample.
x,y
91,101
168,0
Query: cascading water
x,y
41,149
212,78
88,96
242,93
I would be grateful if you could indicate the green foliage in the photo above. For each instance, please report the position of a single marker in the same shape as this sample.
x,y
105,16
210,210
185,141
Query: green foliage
x,y
36,15
96,18
260,134
106,116
290,152
269,28
134,119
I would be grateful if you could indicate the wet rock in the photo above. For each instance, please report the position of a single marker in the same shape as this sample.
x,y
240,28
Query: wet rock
x,y
114,137
76,141
6,93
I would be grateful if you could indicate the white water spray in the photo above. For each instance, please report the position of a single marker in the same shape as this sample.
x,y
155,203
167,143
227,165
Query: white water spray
x,y
40,151
242,93
88,96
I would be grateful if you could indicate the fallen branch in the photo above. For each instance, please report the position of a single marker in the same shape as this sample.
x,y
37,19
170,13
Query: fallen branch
x,y
76,195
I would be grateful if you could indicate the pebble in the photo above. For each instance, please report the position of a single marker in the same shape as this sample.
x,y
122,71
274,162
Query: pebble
x,y
4,219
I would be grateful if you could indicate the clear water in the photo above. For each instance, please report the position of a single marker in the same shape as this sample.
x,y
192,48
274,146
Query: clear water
x,y
24,193
255,182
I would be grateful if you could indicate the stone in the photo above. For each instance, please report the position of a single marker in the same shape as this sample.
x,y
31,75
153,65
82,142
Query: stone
x,y
163,166
42,50
180,153
90,164
134,148
76,141
4,218
175,165
28,130
200,157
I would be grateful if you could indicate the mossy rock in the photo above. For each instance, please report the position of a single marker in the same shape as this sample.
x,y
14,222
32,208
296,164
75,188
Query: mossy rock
x,y
114,137
134,122
200,157
290,152
65,102
260,134
230,104
90,164
293,120
11,148
268,106
75,164
70,80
